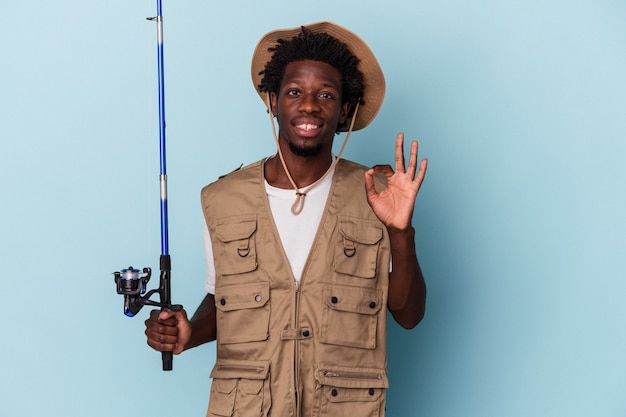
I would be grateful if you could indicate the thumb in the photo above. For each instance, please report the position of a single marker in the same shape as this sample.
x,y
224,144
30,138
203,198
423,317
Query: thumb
x,y
180,315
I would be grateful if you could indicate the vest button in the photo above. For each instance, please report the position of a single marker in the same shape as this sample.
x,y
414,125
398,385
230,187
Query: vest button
x,y
258,298
306,333
371,391
333,393
223,301
334,300
372,304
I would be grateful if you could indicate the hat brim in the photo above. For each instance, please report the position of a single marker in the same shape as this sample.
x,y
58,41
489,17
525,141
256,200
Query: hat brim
x,y
373,77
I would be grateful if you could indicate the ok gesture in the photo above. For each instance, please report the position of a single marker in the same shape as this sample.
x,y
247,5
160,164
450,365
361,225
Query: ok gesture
x,y
394,205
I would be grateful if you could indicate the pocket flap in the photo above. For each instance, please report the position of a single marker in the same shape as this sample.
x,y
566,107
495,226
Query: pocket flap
x,y
235,229
360,231
225,386
239,297
352,299
236,369
251,386
351,377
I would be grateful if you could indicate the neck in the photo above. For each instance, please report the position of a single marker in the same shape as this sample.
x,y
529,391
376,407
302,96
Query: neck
x,y
304,170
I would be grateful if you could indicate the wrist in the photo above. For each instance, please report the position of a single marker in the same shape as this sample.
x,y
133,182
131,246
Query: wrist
x,y
397,231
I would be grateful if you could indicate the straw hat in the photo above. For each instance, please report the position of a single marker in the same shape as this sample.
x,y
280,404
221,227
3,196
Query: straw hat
x,y
373,78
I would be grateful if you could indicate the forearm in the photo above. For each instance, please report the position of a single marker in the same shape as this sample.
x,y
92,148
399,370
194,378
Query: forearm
x,y
407,289
203,327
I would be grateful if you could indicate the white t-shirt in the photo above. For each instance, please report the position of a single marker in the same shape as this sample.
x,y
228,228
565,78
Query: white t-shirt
x,y
297,232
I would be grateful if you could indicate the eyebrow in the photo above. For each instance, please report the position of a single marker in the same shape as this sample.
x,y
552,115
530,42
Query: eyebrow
x,y
324,84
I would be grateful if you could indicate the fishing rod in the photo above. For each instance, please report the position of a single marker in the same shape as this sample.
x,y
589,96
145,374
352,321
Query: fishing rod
x,y
132,282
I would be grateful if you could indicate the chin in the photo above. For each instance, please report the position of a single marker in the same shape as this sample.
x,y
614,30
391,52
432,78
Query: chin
x,y
305,151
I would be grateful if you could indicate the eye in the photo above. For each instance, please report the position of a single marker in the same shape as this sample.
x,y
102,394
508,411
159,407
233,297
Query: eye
x,y
327,96
293,92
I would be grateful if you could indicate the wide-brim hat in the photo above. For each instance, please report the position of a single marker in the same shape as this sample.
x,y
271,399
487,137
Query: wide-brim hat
x,y
373,77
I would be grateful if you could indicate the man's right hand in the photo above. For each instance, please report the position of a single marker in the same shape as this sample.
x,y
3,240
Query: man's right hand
x,y
168,331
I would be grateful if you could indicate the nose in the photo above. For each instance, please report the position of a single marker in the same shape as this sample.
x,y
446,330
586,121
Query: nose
x,y
309,104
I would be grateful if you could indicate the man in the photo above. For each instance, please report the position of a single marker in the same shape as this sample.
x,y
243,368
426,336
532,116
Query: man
x,y
305,251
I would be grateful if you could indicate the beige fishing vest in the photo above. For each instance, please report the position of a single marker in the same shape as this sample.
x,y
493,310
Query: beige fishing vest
x,y
313,349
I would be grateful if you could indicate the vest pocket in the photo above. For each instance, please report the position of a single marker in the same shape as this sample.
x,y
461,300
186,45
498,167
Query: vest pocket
x,y
236,251
349,391
350,316
356,250
243,311
241,386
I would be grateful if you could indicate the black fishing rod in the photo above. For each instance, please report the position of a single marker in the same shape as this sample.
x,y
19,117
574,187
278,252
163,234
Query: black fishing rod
x,y
132,282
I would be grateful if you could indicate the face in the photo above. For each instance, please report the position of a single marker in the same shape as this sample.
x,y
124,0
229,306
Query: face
x,y
309,107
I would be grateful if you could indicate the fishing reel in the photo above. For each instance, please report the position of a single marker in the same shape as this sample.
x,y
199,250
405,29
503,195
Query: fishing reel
x,y
132,284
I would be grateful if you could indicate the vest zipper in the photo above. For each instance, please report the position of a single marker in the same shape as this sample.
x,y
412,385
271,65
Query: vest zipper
x,y
297,349
243,368
352,375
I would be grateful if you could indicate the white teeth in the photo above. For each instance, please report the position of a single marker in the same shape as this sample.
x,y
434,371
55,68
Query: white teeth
x,y
307,126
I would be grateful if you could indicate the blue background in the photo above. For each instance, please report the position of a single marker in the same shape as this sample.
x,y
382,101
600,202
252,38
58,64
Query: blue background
x,y
519,106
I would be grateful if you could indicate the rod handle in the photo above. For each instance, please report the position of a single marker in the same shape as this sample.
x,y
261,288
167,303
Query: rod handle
x,y
165,292
167,359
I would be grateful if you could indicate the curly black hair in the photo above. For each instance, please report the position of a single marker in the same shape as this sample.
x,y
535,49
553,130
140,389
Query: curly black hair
x,y
317,47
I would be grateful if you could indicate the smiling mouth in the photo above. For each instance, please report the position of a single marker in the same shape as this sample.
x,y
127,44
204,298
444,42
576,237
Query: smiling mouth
x,y
307,126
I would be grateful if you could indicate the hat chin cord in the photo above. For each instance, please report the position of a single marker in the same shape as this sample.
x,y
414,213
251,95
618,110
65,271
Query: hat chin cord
x,y
298,205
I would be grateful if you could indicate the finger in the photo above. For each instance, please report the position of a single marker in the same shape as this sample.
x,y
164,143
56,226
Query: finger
x,y
161,335
163,343
155,324
400,153
421,173
156,318
370,189
160,338
167,314
412,159
385,169
157,329
370,186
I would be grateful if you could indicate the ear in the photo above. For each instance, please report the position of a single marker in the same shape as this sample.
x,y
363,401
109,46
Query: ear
x,y
345,109
274,104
